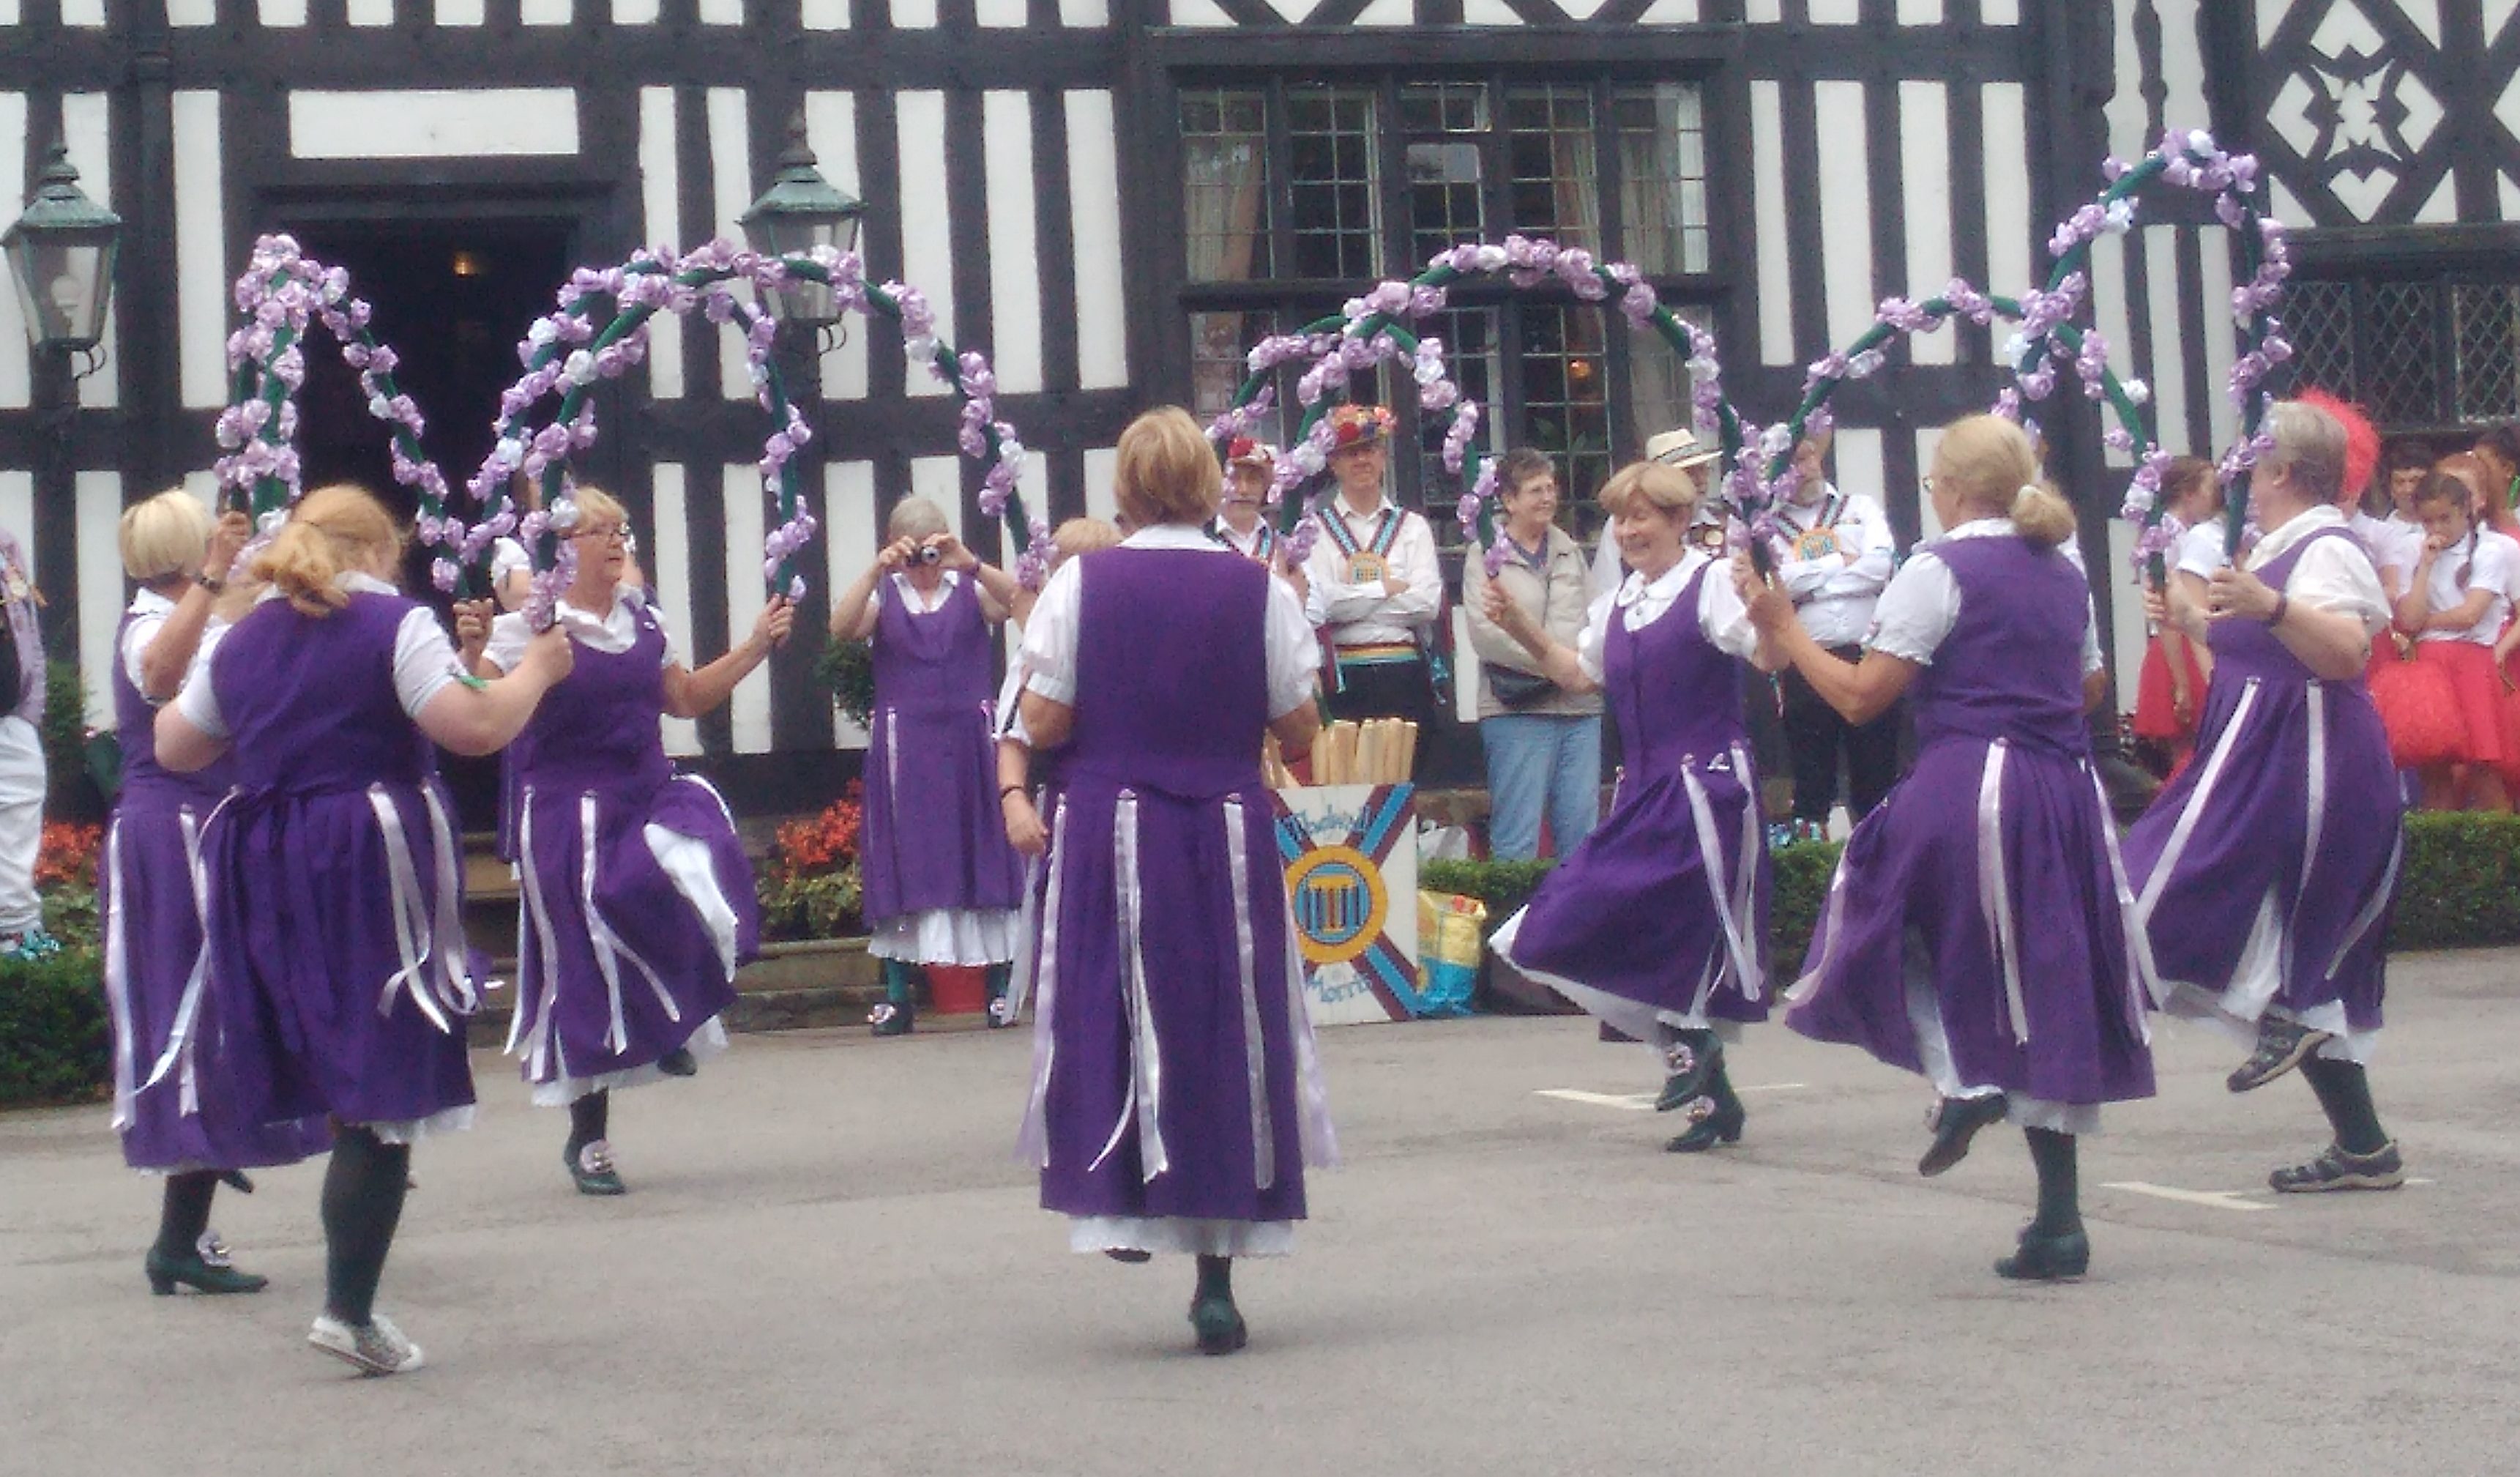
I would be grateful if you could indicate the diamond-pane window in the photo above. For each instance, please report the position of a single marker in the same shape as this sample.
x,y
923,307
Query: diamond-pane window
x,y
2318,318
2403,358
2487,318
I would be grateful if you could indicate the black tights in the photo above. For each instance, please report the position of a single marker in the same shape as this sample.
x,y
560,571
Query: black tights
x,y
2345,1095
2059,1194
1216,1277
587,1117
363,1192
185,1213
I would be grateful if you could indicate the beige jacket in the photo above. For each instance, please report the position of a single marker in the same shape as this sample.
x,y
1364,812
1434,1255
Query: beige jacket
x,y
1559,603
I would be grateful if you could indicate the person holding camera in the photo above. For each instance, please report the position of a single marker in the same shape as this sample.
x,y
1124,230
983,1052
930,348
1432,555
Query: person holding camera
x,y
1542,742
941,881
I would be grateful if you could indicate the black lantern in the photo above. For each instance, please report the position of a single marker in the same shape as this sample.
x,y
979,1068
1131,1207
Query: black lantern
x,y
60,254
800,212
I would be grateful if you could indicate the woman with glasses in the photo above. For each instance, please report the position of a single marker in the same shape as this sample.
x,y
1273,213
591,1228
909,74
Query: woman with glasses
x,y
639,901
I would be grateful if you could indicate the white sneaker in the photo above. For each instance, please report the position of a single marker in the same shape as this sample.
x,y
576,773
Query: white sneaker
x,y
376,1347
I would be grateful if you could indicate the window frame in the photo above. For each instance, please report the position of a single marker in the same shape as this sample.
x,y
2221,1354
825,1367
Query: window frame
x,y
1603,62
2448,256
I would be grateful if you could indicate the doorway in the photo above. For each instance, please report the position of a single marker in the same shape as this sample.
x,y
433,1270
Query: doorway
x,y
452,297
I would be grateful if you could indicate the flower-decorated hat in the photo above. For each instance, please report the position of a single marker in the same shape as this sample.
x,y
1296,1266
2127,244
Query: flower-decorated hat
x,y
1246,451
1680,449
1353,426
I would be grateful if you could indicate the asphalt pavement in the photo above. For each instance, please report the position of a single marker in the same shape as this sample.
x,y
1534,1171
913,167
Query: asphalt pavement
x,y
830,1262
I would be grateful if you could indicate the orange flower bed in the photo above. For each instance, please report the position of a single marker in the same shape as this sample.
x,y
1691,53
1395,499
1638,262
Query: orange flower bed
x,y
820,844
70,854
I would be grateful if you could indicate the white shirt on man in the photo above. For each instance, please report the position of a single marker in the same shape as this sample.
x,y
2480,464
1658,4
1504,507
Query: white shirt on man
x,y
1834,594
1051,636
1363,615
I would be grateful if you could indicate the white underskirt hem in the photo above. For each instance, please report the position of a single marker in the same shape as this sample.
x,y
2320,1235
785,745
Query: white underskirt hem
x,y
2229,1015
969,936
1180,1235
454,1120
706,1042
1649,1024
2020,1110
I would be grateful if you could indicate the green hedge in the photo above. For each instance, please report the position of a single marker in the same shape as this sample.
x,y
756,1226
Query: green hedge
x,y
1802,875
2458,887
53,1033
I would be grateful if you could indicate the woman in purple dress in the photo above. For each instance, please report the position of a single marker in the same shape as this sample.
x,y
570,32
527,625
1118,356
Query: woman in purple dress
x,y
2265,873
172,1101
1658,923
941,883
339,977
1979,930
1175,1095
639,900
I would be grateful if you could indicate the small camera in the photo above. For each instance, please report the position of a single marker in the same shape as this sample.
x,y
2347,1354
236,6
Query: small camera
x,y
930,554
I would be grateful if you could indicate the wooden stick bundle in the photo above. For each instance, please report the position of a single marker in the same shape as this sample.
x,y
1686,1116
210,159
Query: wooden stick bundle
x,y
1376,751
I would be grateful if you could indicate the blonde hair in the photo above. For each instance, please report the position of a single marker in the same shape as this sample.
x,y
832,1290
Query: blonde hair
x,y
1167,472
1993,467
333,531
914,517
1082,536
595,506
1659,484
165,536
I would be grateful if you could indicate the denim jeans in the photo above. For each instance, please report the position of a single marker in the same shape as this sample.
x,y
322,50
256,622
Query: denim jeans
x,y
1541,763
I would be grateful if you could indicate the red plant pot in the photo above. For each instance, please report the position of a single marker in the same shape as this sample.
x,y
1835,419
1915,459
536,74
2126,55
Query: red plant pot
x,y
957,989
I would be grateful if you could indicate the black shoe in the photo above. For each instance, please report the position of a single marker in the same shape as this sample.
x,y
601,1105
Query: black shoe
x,y
890,1019
2282,1045
1690,1060
197,1273
679,1062
1218,1325
2045,1258
1130,1255
590,1165
2335,1169
1711,1123
1001,1014
1955,1121
234,1179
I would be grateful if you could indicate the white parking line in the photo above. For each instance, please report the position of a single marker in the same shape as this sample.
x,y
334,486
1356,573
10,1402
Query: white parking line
x,y
1643,1102
2216,1199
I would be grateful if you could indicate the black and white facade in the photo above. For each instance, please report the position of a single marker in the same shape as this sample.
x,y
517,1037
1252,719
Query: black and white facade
x,y
1115,197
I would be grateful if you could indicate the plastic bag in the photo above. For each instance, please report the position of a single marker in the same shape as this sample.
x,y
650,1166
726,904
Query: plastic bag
x,y
1443,844
1450,941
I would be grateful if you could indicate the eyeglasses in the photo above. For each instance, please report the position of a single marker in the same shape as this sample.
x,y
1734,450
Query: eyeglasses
x,y
616,534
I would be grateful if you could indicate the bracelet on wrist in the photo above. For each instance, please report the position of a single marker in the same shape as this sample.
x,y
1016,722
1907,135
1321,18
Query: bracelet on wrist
x,y
1005,791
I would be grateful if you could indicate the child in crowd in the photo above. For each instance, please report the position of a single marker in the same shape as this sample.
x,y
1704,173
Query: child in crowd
x,y
2171,692
2456,604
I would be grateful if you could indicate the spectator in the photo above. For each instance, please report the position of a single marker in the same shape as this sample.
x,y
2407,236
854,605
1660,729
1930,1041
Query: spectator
x,y
22,760
1375,590
1834,553
1542,741
2458,600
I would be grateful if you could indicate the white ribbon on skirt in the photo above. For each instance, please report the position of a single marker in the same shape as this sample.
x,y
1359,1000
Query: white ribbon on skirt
x,y
1032,1140
1994,888
1255,1050
1145,1103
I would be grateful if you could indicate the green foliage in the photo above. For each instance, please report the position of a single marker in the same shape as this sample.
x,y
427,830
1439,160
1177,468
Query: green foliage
x,y
847,668
53,1032
821,905
70,915
75,788
1802,875
2459,884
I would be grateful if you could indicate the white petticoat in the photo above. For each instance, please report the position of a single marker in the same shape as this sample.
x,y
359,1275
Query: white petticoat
x,y
1180,1235
948,936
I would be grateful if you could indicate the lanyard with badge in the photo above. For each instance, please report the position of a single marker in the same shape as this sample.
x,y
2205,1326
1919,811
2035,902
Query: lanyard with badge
x,y
1367,562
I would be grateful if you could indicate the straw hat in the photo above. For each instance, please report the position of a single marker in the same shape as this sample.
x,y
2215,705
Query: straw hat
x,y
1359,426
1680,449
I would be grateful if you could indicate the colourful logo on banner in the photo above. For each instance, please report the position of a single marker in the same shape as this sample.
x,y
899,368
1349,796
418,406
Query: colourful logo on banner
x,y
1345,925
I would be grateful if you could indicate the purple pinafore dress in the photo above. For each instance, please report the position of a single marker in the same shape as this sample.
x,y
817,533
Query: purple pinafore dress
x,y
622,955
2265,873
1660,917
1985,891
338,961
934,836
172,1099
1175,1079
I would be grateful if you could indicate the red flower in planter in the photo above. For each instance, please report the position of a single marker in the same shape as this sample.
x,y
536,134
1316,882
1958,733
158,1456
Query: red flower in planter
x,y
819,844
70,854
